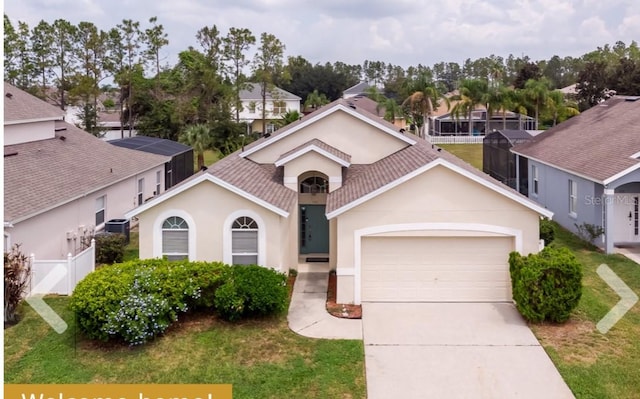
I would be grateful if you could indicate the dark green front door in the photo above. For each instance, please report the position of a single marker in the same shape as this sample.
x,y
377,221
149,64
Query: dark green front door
x,y
314,230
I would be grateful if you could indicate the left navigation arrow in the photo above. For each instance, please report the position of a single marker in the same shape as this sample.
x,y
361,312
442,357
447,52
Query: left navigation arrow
x,y
57,274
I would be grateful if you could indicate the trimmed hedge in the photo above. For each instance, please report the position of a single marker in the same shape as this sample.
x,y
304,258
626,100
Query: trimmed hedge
x,y
546,286
110,248
138,300
250,291
547,231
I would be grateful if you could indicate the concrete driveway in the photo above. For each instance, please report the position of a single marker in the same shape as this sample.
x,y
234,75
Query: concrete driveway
x,y
455,350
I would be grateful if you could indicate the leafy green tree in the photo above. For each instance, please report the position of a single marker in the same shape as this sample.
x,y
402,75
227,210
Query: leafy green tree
x,y
422,101
473,92
526,72
41,44
199,138
64,34
131,40
288,117
537,93
236,44
558,109
315,100
267,67
156,39
212,44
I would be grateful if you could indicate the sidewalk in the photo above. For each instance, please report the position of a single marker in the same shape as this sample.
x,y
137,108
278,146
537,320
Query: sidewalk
x,y
308,314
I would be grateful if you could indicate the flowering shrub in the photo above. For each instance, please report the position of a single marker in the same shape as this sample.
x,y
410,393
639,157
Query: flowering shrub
x,y
138,300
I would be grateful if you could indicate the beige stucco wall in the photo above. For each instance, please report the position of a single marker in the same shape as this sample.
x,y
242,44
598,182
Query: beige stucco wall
x,y
45,235
438,195
27,132
312,161
365,143
210,207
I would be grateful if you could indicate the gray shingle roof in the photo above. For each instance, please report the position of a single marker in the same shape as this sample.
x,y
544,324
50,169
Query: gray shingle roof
x,y
597,144
22,106
261,181
44,174
322,145
358,88
252,92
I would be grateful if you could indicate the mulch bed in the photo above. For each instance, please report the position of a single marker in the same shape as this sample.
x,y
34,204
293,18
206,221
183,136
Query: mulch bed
x,y
345,311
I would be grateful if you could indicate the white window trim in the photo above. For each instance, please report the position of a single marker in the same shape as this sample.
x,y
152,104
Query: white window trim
x,y
157,232
103,209
140,196
227,251
573,198
535,180
158,182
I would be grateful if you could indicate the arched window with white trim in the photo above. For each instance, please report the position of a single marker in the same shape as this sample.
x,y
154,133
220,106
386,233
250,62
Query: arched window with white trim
x,y
175,238
244,241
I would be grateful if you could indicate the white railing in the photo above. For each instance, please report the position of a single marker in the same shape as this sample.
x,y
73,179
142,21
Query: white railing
x,y
75,269
455,139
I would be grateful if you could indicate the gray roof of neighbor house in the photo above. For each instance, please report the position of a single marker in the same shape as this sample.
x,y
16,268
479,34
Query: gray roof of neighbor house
x,y
358,88
154,145
597,144
252,92
44,174
22,106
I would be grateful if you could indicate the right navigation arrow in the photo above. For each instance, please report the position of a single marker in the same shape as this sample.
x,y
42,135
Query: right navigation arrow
x,y
628,298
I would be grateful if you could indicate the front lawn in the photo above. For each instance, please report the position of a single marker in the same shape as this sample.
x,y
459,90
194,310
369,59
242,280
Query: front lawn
x,y
262,359
596,365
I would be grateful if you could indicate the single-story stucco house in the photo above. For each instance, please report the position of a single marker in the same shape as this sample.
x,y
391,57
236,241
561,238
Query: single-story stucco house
x,y
397,218
587,171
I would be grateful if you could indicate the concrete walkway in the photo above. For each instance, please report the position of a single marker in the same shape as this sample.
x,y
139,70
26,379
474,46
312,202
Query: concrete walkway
x,y
632,253
308,314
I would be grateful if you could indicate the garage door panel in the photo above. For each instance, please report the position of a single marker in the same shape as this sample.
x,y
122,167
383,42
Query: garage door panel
x,y
453,269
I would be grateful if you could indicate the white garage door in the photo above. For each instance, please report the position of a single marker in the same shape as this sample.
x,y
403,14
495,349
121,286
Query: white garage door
x,y
434,269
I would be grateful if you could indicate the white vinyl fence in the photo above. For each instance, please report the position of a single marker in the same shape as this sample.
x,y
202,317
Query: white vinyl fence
x,y
455,139
61,276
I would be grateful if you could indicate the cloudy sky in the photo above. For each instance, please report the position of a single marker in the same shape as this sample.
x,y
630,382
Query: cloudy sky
x,y
402,32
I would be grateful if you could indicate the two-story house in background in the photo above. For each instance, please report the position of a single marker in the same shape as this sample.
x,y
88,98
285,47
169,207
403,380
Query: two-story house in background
x,y
278,103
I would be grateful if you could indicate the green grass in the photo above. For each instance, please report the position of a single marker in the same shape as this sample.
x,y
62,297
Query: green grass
x,y
210,156
470,153
131,251
262,359
596,365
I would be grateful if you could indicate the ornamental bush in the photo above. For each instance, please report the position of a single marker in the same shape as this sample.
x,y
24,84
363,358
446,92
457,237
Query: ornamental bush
x,y
547,231
251,291
546,286
138,300
110,248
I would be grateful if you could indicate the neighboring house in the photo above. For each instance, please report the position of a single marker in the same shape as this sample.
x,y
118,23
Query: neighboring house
x,y
360,89
397,218
587,170
500,163
176,170
61,182
279,102
448,124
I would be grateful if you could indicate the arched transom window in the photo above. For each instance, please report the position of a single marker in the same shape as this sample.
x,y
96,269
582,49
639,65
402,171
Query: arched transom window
x,y
314,185
244,241
175,238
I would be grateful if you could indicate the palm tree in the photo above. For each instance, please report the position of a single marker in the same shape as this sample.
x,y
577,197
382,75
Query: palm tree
x,y
391,110
315,99
422,101
288,117
473,92
537,93
199,138
559,108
